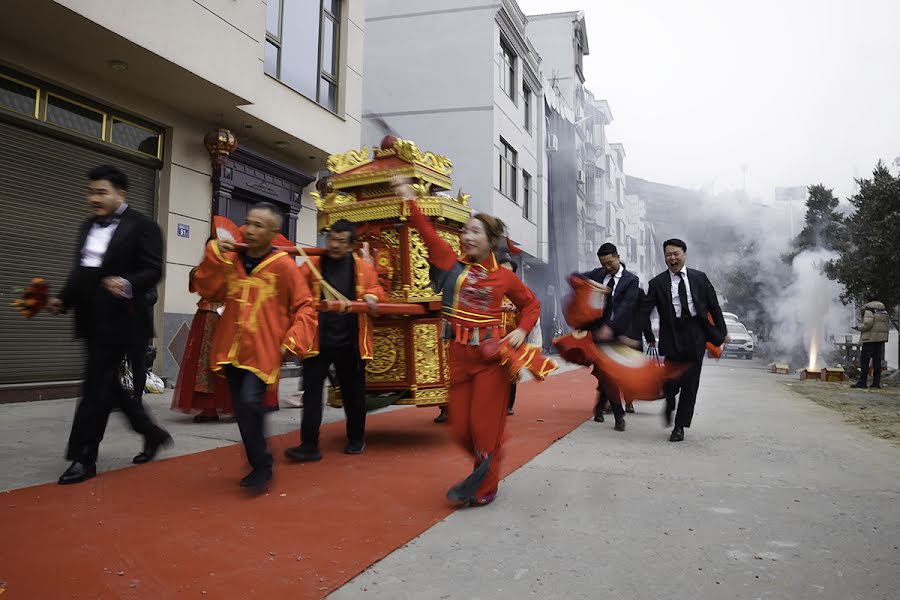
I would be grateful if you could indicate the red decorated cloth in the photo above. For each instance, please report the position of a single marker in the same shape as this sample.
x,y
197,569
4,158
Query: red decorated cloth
x,y
526,356
635,375
584,305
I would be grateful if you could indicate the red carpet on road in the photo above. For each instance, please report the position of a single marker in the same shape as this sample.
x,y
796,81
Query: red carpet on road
x,y
182,528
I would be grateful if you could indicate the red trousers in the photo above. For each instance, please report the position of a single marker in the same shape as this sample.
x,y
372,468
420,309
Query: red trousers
x,y
479,394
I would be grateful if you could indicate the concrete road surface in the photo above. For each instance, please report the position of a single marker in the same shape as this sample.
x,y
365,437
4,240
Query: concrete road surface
x,y
769,497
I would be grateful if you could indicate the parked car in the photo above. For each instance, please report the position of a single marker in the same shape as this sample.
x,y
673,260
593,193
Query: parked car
x,y
731,317
740,341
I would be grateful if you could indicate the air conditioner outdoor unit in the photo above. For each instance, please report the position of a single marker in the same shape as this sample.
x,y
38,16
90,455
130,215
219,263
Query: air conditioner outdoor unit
x,y
552,142
580,176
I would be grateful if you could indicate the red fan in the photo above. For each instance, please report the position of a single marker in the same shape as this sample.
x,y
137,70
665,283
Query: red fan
x,y
526,357
225,229
636,376
585,304
34,298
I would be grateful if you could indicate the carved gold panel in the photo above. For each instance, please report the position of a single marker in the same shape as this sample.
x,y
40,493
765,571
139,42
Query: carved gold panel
x,y
420,279
427,397
428,360
389,362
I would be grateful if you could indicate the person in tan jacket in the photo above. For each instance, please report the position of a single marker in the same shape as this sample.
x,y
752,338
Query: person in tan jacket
x,y
873,333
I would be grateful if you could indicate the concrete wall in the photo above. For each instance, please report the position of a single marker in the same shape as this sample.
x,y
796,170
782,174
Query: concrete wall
x,y
509,123
553,37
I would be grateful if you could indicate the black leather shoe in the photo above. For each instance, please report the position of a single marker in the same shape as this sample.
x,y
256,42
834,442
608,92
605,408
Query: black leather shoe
x,y
441,418
257,481
205,418
152,447
859,385
620,424
677,434
78,472
303,453
875,386
355,447
629,407
598,417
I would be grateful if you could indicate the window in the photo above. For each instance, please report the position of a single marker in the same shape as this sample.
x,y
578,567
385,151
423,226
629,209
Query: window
x,y
507,70
509,162
302,47
18,96
135,137
526,103
526,195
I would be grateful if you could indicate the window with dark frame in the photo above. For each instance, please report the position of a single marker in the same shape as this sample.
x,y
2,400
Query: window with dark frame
x,y
526,195
302,47
526,103
509,163
507,69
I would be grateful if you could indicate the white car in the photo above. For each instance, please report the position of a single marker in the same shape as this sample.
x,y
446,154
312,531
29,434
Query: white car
x,y
740,343
730,317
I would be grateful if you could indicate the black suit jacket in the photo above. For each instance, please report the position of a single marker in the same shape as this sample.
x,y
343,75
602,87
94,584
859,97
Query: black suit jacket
x,y
135,253
659,296
624,302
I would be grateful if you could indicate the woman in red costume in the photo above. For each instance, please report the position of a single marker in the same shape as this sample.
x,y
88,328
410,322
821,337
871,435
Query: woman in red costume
x,y
474,287
198,391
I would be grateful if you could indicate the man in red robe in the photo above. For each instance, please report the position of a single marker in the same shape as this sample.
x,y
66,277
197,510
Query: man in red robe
x,y
268,313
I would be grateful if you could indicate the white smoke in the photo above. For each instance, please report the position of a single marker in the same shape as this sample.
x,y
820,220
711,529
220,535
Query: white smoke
x,y
808,312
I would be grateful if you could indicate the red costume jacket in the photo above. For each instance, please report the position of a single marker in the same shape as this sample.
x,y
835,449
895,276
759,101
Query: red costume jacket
x,y
266,311
473,292
366,285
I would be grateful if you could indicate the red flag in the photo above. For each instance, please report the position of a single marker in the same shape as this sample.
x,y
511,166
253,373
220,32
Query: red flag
x,y
631,371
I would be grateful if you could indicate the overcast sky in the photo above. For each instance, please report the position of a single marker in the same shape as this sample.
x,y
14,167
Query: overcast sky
x,y
799,91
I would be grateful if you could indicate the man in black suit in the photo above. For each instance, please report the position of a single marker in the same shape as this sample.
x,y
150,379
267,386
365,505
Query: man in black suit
x,y
617,321
117,266
685,299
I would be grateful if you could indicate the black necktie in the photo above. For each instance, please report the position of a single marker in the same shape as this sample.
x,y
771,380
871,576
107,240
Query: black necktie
x,y
683,296
612,288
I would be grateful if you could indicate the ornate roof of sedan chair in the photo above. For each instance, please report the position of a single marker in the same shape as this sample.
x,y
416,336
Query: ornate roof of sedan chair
x,y
359,187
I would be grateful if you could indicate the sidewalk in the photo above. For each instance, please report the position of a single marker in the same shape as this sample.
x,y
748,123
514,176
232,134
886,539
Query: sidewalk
x,y
33,434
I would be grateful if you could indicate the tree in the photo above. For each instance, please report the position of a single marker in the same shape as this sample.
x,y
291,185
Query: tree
x,y
824,226
869,264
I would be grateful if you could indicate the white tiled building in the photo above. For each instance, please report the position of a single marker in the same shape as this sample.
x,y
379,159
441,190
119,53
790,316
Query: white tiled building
x,y
462,80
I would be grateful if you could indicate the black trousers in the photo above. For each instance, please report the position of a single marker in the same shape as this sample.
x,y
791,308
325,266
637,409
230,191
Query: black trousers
x,y
247,393
874,352
512,395
102,391
351,376
691,341
606,392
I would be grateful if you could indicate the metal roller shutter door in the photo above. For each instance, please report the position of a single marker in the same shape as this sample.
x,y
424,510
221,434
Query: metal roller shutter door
x,y
42,202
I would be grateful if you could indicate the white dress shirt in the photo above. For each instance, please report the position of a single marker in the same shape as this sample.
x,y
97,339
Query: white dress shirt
x,y
609,280
676,300
98,238
97,243
618,276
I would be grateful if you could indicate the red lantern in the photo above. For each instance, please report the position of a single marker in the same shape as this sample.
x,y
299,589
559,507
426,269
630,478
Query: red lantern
x,y
220,143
